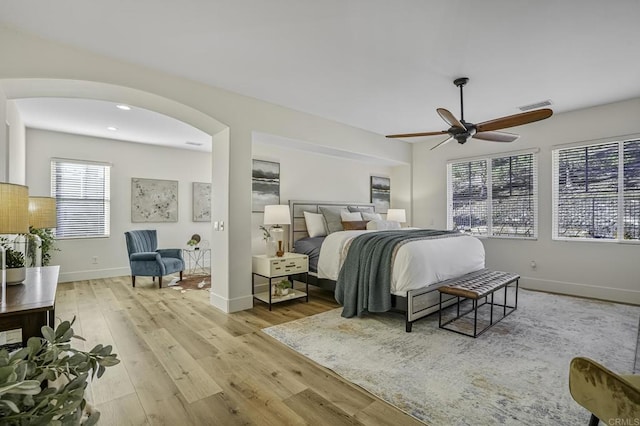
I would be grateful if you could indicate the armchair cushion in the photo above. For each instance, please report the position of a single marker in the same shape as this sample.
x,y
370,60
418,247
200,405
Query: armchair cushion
x,y
144,256
177,253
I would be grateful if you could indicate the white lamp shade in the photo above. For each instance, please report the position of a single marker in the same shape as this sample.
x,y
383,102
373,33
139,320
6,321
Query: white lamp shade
x,y
277,215
397,215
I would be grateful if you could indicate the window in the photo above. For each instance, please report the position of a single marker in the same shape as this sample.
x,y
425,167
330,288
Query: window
x,y
494,196
82,193
596,191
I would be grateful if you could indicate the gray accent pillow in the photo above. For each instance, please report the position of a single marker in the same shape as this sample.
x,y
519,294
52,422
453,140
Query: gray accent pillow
x,y
368,209
333,218
371,216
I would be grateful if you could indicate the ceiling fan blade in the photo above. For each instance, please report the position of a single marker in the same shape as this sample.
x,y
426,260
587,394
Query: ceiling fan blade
x,y
411,135
449,118
496,136
443,142
514,120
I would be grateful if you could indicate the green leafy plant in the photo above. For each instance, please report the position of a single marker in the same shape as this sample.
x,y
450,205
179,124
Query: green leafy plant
x,y
266,234
25,398
48,241
15,258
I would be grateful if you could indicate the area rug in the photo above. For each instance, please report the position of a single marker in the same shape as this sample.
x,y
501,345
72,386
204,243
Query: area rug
x,y
514,374
194,282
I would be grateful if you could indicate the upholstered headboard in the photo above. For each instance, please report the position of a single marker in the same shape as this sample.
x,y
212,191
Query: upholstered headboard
x,y
298,228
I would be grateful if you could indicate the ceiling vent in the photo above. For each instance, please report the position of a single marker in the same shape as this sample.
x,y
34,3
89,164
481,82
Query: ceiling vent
x,y
193,143
536,105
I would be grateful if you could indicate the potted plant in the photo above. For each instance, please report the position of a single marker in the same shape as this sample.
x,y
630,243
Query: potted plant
x,y
281,288
16,271
27,392
194,241
270,244
46,246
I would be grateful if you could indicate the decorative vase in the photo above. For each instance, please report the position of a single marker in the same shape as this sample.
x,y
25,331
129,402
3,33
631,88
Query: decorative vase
x,y
280,251
271,247
16,275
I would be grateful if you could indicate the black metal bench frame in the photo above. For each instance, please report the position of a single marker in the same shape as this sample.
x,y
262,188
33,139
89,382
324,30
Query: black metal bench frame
x,y
476,305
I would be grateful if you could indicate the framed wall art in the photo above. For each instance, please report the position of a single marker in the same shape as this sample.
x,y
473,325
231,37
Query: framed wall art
x,y
201,202
265,185
154,200
381,193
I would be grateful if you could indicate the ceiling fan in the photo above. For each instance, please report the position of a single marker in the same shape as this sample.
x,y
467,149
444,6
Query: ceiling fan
x,y
461,130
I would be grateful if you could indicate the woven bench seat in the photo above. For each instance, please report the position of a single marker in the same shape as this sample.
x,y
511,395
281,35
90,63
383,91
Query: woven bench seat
x,y
477,285
474,286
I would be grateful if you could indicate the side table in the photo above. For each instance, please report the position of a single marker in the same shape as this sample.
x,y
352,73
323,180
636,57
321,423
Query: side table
x,y
278,267
196,260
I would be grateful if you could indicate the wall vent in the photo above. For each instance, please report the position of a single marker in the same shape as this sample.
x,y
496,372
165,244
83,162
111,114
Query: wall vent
x,y
536,105
193,143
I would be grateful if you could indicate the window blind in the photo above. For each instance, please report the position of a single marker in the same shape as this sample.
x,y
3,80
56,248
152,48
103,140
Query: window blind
x,y
494,196
82,193
596,191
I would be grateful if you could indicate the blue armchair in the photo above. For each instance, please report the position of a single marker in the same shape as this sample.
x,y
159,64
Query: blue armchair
x,y
146,260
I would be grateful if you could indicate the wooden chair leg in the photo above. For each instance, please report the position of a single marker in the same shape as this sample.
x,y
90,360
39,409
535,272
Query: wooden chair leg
x,y
160,282
180,275
153,279
133,280
594,421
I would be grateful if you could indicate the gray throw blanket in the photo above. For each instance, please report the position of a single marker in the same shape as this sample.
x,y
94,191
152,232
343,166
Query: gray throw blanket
x,y
364,282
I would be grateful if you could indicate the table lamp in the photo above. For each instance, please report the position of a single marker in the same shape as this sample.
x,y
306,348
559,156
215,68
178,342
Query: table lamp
x,y
397,215
14,219
277,215
42,215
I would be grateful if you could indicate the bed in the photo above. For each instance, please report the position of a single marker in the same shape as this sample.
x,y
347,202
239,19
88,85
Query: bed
x,y
419,267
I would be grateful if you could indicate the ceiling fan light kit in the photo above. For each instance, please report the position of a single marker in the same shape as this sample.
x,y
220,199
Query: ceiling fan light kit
x,y
461,130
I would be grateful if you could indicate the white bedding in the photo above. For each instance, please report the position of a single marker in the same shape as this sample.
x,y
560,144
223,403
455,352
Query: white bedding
x,y
417,263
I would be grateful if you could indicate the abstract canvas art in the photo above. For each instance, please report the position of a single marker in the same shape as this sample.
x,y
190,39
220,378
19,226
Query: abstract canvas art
x,y
154,200
201,202
265,186
381,193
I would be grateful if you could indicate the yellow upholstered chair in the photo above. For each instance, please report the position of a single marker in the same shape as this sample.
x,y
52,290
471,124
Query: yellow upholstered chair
x,y
614,399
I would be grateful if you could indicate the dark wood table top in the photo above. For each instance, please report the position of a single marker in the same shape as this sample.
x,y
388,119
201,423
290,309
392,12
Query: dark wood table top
x,y
36,293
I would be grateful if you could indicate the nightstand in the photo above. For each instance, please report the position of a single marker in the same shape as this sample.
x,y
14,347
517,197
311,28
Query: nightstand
x,y
278,267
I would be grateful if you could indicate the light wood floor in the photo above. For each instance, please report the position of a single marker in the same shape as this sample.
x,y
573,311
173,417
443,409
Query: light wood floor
x,y
187,363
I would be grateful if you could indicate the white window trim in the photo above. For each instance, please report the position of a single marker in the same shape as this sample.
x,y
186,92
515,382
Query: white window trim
x,y
487,159
620,140
108,216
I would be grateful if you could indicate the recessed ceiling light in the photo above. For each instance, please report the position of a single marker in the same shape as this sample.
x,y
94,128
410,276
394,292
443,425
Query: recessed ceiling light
x,y
124,107
113,129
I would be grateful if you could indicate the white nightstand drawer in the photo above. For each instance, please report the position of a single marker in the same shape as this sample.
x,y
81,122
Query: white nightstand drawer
x,y
290,263
283,266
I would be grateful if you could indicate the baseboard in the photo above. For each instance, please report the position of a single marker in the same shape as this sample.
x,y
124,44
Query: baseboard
x,y
583,290
93,274
231,305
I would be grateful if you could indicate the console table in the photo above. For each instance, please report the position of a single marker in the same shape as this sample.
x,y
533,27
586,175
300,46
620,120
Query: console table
x,y
31,305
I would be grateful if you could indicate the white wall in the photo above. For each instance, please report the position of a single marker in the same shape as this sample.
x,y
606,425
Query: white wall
x,y
17,150
128,160
594,269
26,56
311,176
4,138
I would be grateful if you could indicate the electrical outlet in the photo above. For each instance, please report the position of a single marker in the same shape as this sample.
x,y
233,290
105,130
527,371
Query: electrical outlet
x,y
94,260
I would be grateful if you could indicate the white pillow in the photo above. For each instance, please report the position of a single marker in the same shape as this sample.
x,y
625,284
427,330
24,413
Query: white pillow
x,y
350,217
315,224
382,225
371,216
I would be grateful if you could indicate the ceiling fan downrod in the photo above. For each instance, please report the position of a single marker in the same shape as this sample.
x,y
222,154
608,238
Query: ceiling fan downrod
x,y
460,82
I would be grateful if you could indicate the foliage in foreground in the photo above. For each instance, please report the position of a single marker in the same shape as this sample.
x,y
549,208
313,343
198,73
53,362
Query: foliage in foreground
x,y
24,397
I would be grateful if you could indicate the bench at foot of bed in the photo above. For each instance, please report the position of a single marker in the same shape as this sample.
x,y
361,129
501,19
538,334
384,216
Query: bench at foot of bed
x,y
480,288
